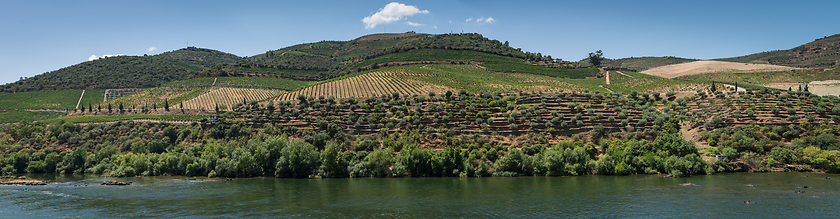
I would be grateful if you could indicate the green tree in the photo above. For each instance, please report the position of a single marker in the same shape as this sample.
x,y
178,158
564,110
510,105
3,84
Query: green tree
x,y
333,164
596,57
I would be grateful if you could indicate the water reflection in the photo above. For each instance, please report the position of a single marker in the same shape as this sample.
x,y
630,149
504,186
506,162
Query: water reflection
x,y
769,195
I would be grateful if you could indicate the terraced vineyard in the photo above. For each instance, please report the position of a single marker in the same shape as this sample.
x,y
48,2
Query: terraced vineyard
x,y
437,78
374,83
485,113
775,108
156,97
227,97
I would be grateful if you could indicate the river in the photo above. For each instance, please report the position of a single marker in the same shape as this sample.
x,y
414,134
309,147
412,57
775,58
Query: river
x,y
772,195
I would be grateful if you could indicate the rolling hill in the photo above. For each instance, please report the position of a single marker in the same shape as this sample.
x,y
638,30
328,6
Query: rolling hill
x,y
823,52
125,71
329,59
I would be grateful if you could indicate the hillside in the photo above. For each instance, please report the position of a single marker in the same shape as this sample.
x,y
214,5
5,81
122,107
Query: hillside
x,y
329,59
643,63
125,71
824,52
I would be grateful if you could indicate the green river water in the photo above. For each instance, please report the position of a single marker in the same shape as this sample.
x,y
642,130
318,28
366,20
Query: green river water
x,y
721,195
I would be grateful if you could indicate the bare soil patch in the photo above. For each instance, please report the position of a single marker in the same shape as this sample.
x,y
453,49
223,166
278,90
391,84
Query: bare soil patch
x,y
701,67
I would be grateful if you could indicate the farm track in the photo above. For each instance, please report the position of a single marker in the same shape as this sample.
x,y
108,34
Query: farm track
x,y
622,73
80,99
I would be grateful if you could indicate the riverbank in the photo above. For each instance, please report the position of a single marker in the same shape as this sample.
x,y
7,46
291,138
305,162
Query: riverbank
x,y
21,180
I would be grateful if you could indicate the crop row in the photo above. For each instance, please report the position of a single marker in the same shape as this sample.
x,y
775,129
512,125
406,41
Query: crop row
x,y
228,97
374,83
156,97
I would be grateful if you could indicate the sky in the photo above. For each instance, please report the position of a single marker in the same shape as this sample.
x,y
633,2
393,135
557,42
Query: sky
x,y
42,36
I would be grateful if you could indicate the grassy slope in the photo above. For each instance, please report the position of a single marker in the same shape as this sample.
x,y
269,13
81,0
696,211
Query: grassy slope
x,y
644,63
21,115
473,78
59,100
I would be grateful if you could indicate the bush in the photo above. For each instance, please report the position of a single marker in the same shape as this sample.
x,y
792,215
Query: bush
x,y
783,155
512,162
298,159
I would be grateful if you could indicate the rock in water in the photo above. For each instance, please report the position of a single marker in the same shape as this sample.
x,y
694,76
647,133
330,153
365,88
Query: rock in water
x,y
115,183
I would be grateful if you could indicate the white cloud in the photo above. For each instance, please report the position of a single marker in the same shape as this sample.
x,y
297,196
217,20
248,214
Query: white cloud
x,y
489,20
94,57
152,49
468,19
434,27
392,12
414,24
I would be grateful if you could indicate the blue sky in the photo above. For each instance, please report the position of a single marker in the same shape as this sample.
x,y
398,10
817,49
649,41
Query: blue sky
x,y
41,36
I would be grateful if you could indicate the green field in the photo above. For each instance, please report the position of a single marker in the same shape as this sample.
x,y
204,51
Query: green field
x,y
644,63
60,99
490,61
21,115
261,82
474,78
93,97
88,119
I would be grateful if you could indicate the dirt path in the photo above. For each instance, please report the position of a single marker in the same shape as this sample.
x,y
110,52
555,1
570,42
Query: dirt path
x,y
45,110
80,99
214,82
608,77
602,86
622,73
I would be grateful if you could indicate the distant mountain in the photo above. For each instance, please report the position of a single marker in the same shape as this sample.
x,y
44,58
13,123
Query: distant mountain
x,y
643,63
125,71
823,52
